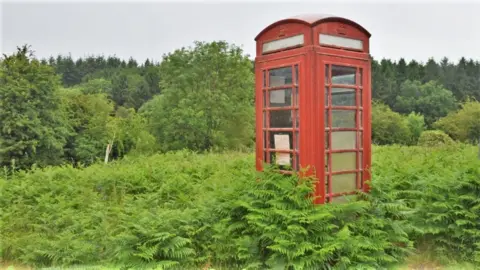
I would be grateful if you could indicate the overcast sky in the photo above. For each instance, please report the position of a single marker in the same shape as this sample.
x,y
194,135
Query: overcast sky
x,y
410,29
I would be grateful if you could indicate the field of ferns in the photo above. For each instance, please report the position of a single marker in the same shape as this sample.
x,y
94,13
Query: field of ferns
x,y
185,210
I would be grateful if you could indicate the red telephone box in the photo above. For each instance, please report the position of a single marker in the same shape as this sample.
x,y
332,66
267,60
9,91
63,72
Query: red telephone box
x,y
313,101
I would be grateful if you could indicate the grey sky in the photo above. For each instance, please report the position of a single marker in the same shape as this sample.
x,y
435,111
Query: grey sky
x,y
410,29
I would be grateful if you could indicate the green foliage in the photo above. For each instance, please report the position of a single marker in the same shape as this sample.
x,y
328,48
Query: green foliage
x,y
389,127
430,99
416,125
464,124
89,115
134,213
97,124
441,185
206,101
34,126
274,225
432,138
96,86
182,210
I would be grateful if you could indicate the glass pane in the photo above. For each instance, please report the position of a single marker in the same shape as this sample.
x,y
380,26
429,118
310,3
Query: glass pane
x,y
343,97
265,156
280,98
326,74
297,118
283,160
344,140
344,161
343,75
344,182
343,119
343,199
298,168
326,39
296,96
296,75
283,43
326,96
281,119
280,76
297,140
264,99
281,140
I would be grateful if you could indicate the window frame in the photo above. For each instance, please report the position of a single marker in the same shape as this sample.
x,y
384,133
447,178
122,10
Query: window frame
x,y
294,109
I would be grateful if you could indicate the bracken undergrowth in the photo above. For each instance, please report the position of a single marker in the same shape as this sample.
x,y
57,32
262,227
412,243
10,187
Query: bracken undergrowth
x,y
183,210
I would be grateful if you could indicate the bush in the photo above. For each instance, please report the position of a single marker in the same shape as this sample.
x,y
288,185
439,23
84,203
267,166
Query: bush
x,y
184,210
136,212
432,138
441,186
274,225
462,125
416,125
388,127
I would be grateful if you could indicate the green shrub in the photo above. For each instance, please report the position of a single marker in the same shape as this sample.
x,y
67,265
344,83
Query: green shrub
x,y
389,127
274,225
462,125
432,138
133,213
416,125
441,185
184,210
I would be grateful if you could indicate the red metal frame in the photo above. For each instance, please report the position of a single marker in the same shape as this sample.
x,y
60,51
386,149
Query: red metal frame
x,y
311,59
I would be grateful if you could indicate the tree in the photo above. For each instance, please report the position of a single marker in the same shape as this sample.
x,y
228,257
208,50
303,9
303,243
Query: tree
x,y
34,123
96,86
431,100
384,85
89,114
206,100
464,124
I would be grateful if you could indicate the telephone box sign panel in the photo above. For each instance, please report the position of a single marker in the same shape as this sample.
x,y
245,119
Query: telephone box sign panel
x,y
338,41
283,43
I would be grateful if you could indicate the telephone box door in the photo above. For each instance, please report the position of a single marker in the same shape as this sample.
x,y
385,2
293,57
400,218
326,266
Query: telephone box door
x,y
346,131
281,96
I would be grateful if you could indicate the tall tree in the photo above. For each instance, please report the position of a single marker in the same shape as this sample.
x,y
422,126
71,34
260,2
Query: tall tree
x,y
431,71
430,99
34,127
206,99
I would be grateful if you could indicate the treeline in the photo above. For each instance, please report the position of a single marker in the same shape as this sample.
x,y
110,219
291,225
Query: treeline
x,y
61,110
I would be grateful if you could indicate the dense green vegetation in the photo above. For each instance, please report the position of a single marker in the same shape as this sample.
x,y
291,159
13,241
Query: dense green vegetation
x,y
113,162
185,210
60,110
